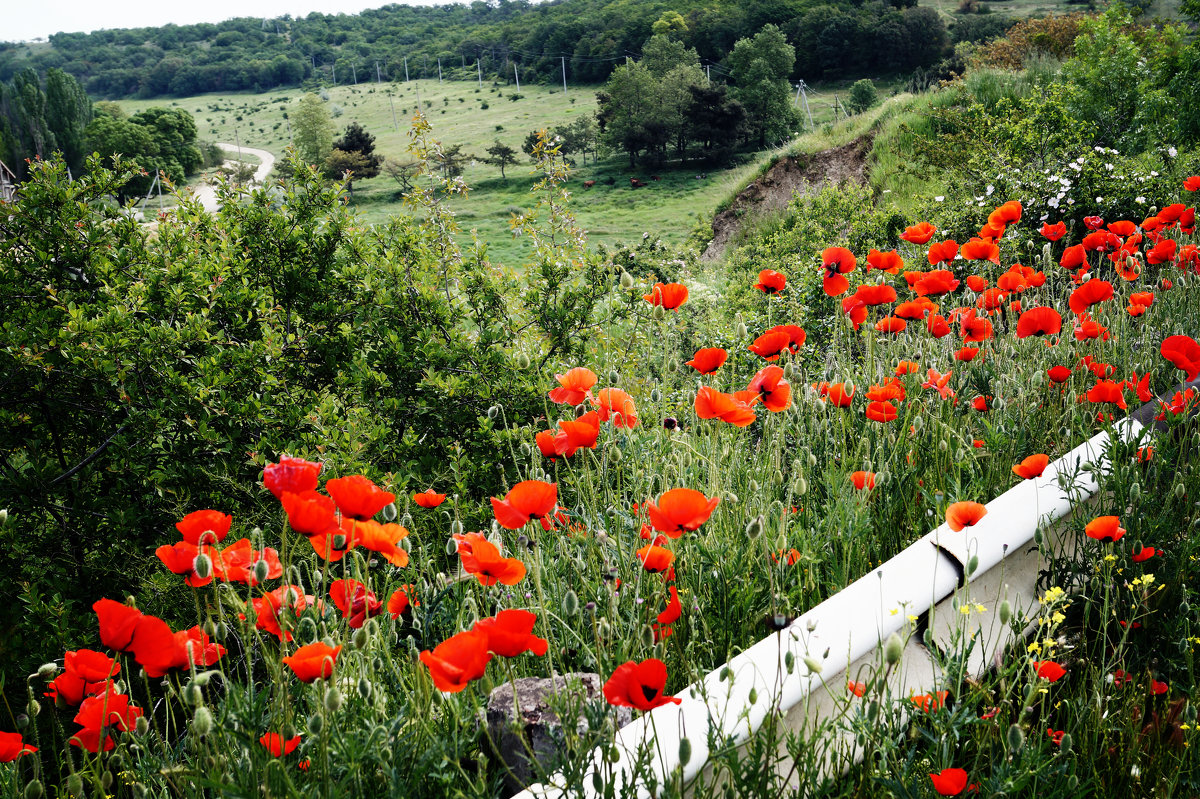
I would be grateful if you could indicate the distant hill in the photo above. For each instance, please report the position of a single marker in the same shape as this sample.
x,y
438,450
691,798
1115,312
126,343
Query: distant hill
x,y
586,38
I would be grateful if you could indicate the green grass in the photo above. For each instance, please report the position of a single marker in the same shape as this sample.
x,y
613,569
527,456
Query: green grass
x,y
669,208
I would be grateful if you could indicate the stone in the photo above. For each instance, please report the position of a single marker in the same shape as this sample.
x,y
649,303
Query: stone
x,y
538,731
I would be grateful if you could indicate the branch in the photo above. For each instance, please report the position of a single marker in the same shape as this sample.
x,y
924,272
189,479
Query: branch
x,y
95,454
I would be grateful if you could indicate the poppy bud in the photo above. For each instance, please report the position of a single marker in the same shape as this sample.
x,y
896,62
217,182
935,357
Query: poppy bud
x,y
1005,611
943,446
754,528
333,700
106,780
202,721
801,487
814,666
731,497
789,371
753,696
47,671
307,629
1184,607
406,521
34,790
1180,491
777,477
261,570
202,566
3,516
626,280
570,603
603,628
1038,536
360,639
685,751
339,542
882,479
22,721
456,528
222,631
202,678
192,694
789,661
523,361
972,564
655,395
493,412
647,636
724,675
892,649
315,725
389,512
34,707
1016,737
1135,491
75,783
741,331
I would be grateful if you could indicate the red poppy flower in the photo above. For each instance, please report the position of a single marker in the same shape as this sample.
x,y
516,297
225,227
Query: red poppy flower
x,y
458,660
237,561
1184,353
680,510
574,387
1161,253
576,434
510,633
964,514
669,295
1056,736
907,368
980,250
277,745
313,661
309,513
185,648
180,558
891,324
655,558
919,233
977,283
1089,294
1031,467
856,688
615,404
713,404
400,601
942,252
992,230
1143,555
481,558
881,411
1158,688
1048,670
836,393
100,716
639,685
930,702
334,543
1087,328
545,443
889,261
966,354
770,344
1012,281
429,498
937,326
529,499
1054,232
1059,374
355,601
769,385
771,282
1191,183
195,525
980,404
291,474
949,781
1105,528
1108,391
1073,257
85,673
708,360
358,497
12,747
1101,241
836,261
269,607
936,283
1040,321
1009,212
863,480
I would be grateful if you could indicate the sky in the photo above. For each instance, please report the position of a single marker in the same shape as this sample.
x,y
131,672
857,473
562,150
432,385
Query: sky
x,y
26,20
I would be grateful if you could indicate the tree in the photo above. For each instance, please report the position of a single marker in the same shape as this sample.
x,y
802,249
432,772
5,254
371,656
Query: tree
x,y
628,108
716,121
68,112
660,55
353,153
501,155
670,22
110,137
312,130
862,96
760,68
174,134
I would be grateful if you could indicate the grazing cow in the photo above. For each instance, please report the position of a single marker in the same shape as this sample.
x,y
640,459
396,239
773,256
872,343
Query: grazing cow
x,y
587,184
635,183
655,177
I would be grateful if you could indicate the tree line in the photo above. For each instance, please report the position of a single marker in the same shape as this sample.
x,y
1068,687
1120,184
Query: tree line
x,y
586,39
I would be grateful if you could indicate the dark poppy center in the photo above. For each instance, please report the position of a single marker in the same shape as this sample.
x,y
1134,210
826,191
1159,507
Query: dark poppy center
x,y
650,693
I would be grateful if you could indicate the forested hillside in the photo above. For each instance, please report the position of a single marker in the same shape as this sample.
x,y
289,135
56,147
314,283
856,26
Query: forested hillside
x,y
585,39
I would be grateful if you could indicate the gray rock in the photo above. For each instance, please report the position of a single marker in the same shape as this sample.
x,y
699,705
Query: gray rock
x,y
536,732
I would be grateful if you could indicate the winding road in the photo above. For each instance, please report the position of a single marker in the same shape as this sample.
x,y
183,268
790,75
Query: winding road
x,y
206,193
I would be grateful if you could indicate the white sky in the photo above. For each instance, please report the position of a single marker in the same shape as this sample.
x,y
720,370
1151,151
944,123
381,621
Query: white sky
x,y
24,20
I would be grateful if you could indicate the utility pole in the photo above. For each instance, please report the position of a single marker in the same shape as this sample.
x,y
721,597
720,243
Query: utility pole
x,y
439,69
479,68
708,73
334,67
406,69
378,76
395,124
354,74
517,75
804,94
564,67
835,108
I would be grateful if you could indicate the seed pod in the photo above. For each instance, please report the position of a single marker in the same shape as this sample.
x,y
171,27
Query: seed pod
x,y
685,751
202,721
892,649
22,721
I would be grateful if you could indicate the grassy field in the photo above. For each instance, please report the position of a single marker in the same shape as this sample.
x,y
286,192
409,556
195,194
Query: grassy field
x,y
466,114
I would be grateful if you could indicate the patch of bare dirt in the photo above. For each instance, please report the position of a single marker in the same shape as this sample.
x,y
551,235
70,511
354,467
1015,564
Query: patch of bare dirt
x,y
787,178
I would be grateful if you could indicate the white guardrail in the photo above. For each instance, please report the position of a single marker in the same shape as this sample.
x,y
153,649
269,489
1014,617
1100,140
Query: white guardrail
x,y
845,633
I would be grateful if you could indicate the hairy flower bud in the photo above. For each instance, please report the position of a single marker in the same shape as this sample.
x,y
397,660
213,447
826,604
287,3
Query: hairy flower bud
x,y
892,649
202,566
202,721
